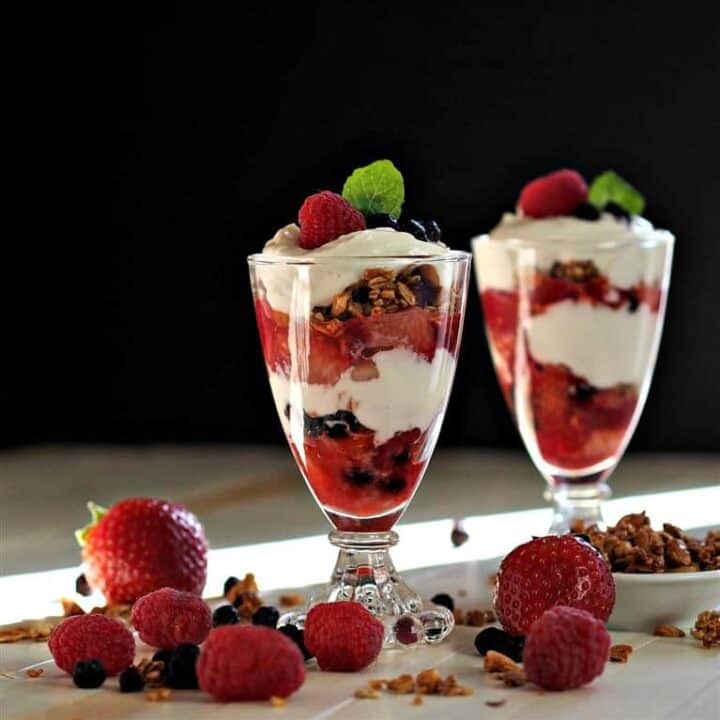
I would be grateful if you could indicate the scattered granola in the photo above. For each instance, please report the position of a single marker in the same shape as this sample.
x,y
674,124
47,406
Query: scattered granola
x,y
632,546
158,695
496,703
291,600
707,628
377,684
70,607
620,653
668,631
474,617
152,672
513,678
277,701
38,631
427,682
401,685
496,662
366,693
417,700
34,672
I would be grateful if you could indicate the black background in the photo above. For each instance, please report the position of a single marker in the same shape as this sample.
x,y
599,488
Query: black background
x,y
222,120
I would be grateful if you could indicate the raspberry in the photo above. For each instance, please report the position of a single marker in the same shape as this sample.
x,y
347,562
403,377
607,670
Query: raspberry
x,y
566,648
343,636
92,637
249,662
558,193
326,216
549,571
167,618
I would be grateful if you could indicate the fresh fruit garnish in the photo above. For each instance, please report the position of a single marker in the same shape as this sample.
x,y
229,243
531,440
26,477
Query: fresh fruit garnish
x,y
611,188
558,193
225,615
298,637
343,636
326,216
89,674
249,662
377,188
587,211
167,618
566,648
131,680
94,636
425,230
140,545
549,571
493,638
444,600
266,615
180,670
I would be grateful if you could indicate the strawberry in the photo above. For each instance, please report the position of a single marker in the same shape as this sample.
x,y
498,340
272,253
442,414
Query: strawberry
x,y
140,545
558,193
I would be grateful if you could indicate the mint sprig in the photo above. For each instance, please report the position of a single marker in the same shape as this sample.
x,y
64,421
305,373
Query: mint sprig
x,y
376,188
610,187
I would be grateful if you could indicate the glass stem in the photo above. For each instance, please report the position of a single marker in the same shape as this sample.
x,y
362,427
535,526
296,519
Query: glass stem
x,y
577,503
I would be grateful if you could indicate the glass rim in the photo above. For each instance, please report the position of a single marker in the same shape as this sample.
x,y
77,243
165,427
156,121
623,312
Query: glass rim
x,y
658,238
452,256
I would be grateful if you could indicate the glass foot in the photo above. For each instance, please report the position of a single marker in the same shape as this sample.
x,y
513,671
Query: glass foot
x,y
576,503
364,572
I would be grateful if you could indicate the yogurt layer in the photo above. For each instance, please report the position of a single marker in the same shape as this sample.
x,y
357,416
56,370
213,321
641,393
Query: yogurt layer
x,y
625,252
297,288
602,345
408,393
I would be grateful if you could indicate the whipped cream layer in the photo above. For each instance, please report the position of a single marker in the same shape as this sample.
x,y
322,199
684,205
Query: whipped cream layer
x,y
296,288
637,254
408,393
605,346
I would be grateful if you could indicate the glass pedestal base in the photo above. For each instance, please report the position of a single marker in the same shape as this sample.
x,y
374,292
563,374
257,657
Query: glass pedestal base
x,y
574,503
364,572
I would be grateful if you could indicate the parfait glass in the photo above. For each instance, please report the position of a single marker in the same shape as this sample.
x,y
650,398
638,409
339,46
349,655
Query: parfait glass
x,y
573,326
361,355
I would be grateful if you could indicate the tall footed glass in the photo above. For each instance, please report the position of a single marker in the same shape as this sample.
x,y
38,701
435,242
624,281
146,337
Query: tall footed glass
x,y
574,327
361,355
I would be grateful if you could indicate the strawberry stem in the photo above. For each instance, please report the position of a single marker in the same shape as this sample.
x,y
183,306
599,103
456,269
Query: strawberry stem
x,y
97,512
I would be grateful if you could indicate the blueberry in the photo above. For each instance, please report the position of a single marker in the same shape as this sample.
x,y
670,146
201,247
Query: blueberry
x,y
131,680
163,656
434,233
395,484
180,671
225,615
337,431
82,587
298,637
415,227
587,211
381,220
493,638
359,477
617,210
445,600
89,674
231,582
402,458
239,600
266,615
581,391
458,536
633,302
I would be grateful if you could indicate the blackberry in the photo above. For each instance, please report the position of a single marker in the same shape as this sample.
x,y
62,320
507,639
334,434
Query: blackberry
x,y
444,600
180,671
381,220
587,211
266,615
82,587
89,674
493,638
232,581
416,228
225,615
131,680
298,637
617,211
163,656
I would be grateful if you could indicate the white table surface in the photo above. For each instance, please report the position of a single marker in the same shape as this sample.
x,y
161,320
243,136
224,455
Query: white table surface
x,y
237,494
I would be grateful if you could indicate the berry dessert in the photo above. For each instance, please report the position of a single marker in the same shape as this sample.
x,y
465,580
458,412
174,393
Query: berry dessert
x,y
359,316
81,638
249,662
549,571
573,287
565,648
140,545
167,618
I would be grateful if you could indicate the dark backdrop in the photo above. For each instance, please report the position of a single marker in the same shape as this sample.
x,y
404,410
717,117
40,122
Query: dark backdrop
x,y
222,121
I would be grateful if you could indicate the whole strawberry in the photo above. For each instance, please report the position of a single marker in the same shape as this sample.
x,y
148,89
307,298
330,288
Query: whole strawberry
x,y
549,571
343,636
566,648
249,662
141,545
167,618
92,637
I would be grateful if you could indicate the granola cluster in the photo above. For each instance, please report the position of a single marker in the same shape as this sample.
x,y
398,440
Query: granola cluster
x,y
474,617
244,596
504,668
574,270
427,682
632,546
384,291
707,628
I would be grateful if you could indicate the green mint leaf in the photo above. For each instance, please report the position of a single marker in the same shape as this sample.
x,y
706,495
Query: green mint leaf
x,y
610,187
97,512
376,188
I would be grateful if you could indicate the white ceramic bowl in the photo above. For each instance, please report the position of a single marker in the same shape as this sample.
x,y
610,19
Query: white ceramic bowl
x,y
642,602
